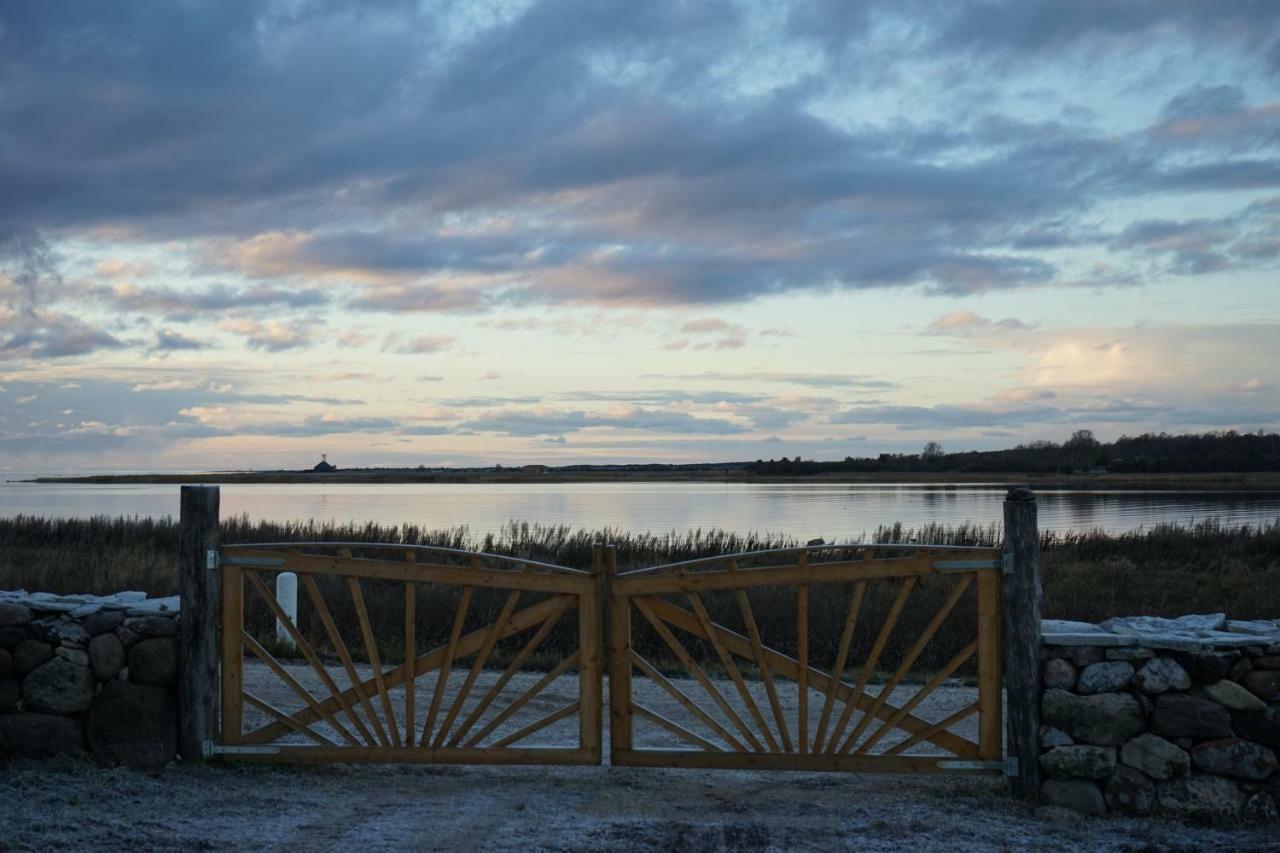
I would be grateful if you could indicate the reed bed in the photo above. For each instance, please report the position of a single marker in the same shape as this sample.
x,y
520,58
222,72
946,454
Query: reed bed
x,y
1165,570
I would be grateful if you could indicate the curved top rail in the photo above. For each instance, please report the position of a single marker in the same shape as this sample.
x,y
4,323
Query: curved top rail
x,y
858,546
435,549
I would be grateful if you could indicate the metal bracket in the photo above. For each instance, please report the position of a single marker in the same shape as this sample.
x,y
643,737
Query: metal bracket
x,y
211,749
1011,767
1006,563
211,561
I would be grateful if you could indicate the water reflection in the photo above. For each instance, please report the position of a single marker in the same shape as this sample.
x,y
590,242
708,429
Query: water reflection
x,y
800,509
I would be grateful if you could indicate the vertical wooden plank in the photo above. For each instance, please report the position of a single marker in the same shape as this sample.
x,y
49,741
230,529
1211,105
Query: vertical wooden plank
x,y
990,723
802,661
591,664
198,626
410,654
1021,594
620,711
232,655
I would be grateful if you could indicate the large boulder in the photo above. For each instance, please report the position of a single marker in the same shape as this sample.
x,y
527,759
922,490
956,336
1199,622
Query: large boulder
x,y
1160,675
1205,666
40,735
6,664
11,636
58,687
28,655
13,615
1059,674
153,662
1106,677
1155,757
1079,795
1265,684
152,626
1051,737
106,656
1261,808
1262,727
58,631
1130,792
1209,799
1182,715
1235,757
103,621
1079,762
1107,719
10,693
1233,696
134,725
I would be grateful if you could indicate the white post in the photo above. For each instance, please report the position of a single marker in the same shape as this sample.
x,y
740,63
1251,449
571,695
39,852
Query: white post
x,y
287,596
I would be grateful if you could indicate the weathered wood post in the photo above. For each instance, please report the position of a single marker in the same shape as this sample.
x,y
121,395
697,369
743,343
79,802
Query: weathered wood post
x,y
198,637
1022,594
619,665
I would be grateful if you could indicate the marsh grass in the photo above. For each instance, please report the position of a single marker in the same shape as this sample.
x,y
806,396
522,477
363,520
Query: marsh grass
x,y
1166,570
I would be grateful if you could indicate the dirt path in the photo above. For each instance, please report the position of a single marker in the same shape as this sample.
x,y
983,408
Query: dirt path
x,y
75,806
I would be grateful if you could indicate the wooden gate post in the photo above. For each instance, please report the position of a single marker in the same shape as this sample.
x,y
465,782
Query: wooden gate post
x,y
198,635
1022,594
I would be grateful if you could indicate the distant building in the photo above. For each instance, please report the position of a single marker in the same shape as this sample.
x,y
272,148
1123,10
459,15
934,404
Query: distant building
x,y
323,466
535,469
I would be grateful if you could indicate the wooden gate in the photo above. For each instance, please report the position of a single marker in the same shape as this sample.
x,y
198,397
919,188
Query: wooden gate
x,y
418,710
764,708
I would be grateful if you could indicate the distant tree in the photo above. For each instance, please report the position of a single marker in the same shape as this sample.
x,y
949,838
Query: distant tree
x,y
932,450
1080,439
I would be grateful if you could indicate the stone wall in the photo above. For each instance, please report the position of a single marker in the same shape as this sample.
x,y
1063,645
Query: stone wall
x,y
1175,717
80,673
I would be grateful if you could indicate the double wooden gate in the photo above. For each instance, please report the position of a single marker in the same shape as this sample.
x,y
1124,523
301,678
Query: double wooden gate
x,y
712,663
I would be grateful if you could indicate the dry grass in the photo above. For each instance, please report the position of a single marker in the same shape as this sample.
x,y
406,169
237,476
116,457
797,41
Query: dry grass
x,y
1167,570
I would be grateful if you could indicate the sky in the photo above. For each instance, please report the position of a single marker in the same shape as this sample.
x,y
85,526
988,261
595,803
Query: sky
x,y
241,235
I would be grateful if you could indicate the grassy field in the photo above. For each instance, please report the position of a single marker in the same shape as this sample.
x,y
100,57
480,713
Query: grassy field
x,y
1163,571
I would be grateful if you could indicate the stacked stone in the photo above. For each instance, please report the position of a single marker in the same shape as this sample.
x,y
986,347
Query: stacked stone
x,y
1191,733
81,673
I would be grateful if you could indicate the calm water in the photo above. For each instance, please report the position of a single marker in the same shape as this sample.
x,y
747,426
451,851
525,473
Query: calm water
x,y
802,510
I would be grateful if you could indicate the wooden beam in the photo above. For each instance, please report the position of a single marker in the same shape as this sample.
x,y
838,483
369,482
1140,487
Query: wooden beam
x,y
1022,595
198,590
813,761
834,572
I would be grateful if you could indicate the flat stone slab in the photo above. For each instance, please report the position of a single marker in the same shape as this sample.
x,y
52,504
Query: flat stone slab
x,y
1191,633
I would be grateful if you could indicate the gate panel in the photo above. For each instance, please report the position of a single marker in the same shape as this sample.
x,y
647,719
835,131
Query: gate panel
x,y
361,622
888,699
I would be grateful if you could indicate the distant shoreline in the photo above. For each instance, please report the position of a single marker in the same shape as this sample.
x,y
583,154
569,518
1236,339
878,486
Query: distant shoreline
x,y
1227,481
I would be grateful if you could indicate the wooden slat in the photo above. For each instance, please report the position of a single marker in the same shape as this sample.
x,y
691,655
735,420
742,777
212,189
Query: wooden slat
x,y
398,570
591,668
292,683
990,724
521,621
912,655
232,655
321,671
818,680
920,695
675,728
802,661
482,657
869,667
689,704
375,661
697,673
276,714
842,657
521,700
941,725
424,755
782,761
620,699
493,692
538,725
344,655
726,660
762,664
833,572
410,652
450,653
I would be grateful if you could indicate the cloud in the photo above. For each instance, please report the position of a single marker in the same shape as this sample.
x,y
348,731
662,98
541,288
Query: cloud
x,y
273,335
967,323
541,422
167,340
425,345
816,380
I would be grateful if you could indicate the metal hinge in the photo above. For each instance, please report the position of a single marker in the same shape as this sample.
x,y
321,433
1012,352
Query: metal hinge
x,y
232,560
211,749
1007,564
211,561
